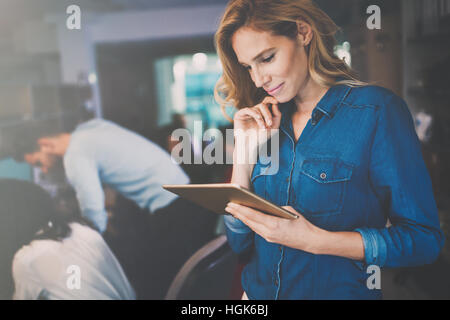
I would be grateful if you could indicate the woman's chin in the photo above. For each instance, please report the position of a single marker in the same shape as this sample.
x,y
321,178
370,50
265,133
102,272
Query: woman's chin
x,y
282,98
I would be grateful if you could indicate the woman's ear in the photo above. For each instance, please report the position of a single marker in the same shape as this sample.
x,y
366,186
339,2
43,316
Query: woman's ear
x,y
304,33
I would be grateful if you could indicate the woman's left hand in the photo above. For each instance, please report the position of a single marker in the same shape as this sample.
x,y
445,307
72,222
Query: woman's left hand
x,y
295,233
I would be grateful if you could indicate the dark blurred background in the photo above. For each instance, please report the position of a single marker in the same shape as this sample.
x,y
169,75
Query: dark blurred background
x,y
151,66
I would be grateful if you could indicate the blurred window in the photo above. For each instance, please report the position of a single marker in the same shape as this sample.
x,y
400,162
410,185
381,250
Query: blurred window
x,y
185,84
342,51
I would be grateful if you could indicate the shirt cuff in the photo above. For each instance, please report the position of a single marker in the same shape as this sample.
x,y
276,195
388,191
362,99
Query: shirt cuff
x,y
375,251
98,218
235,225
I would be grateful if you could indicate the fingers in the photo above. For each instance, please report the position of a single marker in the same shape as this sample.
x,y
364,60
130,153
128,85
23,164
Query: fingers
x,y
249,214
264,109
265,225
259,118
276,110
271,105
290,209
270,100
254,113
262,113
237,211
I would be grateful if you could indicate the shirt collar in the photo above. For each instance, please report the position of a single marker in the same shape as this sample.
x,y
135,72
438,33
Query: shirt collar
x,y
332,99
327,105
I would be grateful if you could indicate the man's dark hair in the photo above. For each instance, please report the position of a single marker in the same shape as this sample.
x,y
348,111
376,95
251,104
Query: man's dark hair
x,y
22,139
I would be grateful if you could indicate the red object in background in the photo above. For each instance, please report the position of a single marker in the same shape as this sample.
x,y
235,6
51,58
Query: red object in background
x,y
227,174
236,287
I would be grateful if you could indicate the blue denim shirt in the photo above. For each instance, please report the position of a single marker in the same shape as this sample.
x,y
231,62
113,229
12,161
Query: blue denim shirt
x,y
357,163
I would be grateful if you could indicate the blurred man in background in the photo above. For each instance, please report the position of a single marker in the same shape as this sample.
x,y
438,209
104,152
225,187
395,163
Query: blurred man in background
x,y
99,152
41,238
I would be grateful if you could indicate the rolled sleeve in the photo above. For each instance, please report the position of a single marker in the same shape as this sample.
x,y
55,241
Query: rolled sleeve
x,y
375,250
98,217
400,180
236,225
239,235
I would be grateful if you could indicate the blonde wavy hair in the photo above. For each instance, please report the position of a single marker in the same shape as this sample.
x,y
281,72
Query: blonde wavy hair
x,y
279,17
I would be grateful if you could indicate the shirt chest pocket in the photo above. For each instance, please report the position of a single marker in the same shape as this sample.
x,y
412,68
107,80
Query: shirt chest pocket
x,y
321,186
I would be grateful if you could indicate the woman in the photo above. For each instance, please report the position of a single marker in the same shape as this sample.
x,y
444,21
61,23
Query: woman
x,y
349,160
51,253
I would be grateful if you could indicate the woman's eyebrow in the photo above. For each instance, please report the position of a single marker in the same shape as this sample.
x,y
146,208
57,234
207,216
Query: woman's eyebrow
x,y
259,55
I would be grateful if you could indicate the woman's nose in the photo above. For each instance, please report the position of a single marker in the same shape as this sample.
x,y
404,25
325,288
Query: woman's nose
x,y
260,78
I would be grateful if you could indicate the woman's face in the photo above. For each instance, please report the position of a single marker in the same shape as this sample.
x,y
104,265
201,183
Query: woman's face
x,y
278,64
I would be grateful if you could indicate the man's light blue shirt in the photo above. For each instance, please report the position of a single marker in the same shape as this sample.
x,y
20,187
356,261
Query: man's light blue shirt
x,y
102,152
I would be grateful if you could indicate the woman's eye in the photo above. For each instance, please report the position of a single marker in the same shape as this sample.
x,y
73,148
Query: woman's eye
x,y
268,59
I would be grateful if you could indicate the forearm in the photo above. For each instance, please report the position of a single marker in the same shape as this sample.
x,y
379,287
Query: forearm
x,y
242,171
241,240
408,245
242,167
343,244
241,175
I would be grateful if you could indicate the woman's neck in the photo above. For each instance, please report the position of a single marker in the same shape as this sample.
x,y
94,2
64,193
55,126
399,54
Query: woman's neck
x,y
308,97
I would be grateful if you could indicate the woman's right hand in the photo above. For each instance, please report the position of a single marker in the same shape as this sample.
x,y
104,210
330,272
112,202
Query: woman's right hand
x,y
259,117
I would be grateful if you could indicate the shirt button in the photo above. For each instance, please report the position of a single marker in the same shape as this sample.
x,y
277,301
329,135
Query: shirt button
x,y
276,282
279,248
323,176
287,179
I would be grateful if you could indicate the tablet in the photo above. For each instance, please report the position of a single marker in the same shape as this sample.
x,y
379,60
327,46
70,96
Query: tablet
x,y
216,196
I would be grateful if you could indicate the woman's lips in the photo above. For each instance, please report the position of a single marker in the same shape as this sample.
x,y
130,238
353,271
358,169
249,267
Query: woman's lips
x,y
275,90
